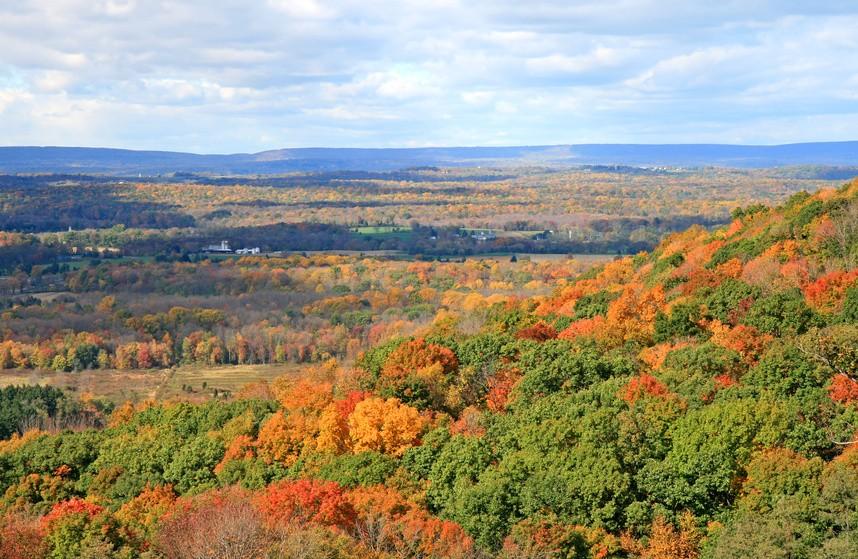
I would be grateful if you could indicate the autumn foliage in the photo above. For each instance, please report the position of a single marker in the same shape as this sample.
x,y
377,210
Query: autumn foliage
x,y
641,386
843,389
669,542
73,507
500,387
21,537
417,354
385,426
222,523
307,501
828,291
538,332
696,401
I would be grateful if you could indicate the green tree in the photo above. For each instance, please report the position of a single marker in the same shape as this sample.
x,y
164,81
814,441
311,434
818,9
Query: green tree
x,y
782,313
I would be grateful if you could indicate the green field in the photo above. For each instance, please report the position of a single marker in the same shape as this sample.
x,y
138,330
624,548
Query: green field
x,y
93,261
380,229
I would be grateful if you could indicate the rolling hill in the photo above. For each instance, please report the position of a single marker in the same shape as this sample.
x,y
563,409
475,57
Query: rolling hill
x,y
130,162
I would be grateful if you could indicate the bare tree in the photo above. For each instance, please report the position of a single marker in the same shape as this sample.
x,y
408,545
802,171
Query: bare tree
x,y
218,525
846,232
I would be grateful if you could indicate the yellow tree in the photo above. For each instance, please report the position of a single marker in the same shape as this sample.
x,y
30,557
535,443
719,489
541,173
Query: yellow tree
x,y
666,542
282,438
632,316
387,426
333,431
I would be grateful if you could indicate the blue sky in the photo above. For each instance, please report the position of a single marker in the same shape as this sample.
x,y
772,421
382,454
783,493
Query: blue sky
x,y
248,75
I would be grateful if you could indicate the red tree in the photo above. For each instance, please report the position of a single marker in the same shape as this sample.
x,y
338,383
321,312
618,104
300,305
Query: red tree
x,y
643,385
307,501
539,332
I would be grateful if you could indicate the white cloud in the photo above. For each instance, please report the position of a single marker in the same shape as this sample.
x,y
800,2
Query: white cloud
x,y
403,86
10,96
309,9
52,81
119,7
225,75
505,107
477,97
709,66
350,113
599,57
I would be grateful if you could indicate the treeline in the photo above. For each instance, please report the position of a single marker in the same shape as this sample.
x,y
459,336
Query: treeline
x,y
86,351
349,178
26,408
40,207
20,252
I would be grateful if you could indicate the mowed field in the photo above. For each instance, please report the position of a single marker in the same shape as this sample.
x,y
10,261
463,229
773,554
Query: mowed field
x,y
181,383
380,229
202,382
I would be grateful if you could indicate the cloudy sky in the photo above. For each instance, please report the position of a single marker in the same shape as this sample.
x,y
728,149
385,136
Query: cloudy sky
x,y
248,75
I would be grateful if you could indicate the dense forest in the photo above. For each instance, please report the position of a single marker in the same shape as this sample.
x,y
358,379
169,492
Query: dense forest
x,y
696,401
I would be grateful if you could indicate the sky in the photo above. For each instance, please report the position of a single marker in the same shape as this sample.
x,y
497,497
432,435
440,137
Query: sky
x,y
226,76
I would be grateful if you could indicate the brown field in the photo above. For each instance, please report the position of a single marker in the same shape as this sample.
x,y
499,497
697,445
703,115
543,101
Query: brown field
x,y
166,384
229,378
113,385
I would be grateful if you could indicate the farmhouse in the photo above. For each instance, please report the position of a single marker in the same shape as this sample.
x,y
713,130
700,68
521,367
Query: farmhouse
x,y
222,248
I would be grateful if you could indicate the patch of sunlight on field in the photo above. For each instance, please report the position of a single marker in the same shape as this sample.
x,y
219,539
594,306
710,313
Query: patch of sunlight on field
x,y
113,385
167,384
203,381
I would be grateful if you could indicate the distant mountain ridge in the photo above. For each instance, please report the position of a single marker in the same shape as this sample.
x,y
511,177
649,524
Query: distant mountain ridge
x,y
28,159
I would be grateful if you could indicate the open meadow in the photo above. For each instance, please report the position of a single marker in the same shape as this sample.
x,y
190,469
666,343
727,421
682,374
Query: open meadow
x,y
190,383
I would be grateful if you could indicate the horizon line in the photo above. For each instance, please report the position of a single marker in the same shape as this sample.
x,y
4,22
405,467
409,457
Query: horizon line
x,y
433,147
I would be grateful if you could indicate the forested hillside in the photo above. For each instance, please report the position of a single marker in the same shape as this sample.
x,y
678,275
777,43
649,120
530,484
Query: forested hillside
x,y
697,401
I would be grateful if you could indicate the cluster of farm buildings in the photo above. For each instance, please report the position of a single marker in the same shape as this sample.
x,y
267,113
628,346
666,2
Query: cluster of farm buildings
x,y
223,248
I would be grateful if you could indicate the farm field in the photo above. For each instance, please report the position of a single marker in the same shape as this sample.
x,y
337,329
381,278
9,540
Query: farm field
x,y
380,229
111,385
190,383
201,382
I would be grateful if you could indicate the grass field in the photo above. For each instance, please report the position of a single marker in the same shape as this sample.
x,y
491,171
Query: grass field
x,y
380,229
229,378
119,386
86,261
116,386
